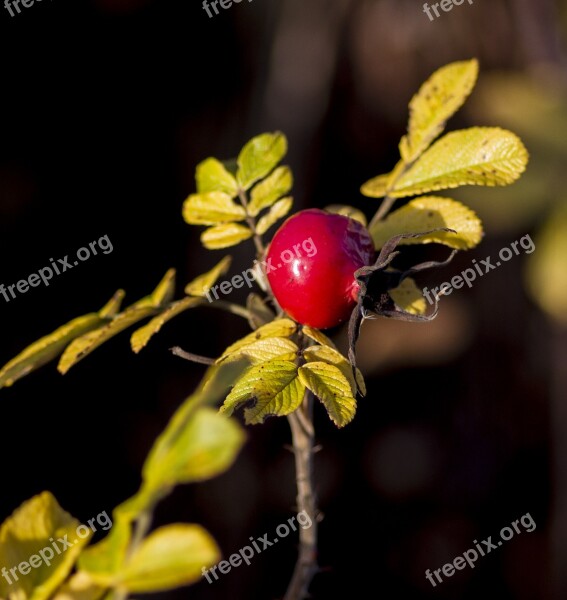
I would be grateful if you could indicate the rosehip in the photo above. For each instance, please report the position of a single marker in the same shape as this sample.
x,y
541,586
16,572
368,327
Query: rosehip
x,y
311,263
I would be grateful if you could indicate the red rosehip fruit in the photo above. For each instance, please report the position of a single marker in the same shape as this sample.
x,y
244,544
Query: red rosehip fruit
x,y
310,266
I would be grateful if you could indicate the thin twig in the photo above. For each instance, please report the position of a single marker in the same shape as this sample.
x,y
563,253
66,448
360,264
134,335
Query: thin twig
x,y
196,358
260,249
302,433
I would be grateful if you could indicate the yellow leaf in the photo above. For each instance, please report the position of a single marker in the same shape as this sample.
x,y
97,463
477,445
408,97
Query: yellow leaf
x,y
347,211
79,587
202,284
272,388
211,208
331,387
334,357
278,328
477,156
224,236
262,350
146,307
438,99
259,157
212,176
376,187
317,336
26,540
142,336
170,557
409,297
427,213
278,210
271,189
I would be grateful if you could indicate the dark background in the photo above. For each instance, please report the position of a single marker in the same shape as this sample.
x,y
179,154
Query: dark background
x,y
106,108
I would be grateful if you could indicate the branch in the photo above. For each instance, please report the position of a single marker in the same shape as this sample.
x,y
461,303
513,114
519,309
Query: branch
x,y
196,358
303,436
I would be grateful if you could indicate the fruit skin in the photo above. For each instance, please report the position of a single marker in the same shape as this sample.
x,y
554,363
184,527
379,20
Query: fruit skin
x,y
317,288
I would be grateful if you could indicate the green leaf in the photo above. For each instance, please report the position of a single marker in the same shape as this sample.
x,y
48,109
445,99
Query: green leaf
x,y
212,208
202,284
334,357
271,389
477,156
263,195
318,336
428,213
79,587
278,328
347,211
278,211
206,447
262,350
331,387
146,307
409,297
169,557
212,176
438,99
142,336
377,187
224,236
27,533
259,157
196,447
51,346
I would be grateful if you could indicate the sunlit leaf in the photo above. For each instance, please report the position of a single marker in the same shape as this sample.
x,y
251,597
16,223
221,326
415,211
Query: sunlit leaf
x,y
278,328
409,297
376,187
23,539
328,383
212,208
318,336
263,195
169,557
428,213
278,210
212,176
224,236
259,157
476,156
146,307
334,357
437,100
79,587
347,211
270,389
200,285
262,350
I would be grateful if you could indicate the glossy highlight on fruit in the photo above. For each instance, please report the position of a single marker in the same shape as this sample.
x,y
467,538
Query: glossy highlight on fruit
x,y
311,264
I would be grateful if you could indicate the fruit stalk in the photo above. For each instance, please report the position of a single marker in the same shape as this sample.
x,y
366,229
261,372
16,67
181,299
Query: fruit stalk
x,y
303,438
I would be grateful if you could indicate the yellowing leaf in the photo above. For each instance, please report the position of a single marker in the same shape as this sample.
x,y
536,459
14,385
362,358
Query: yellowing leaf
x,y
224,236
437,100
262,350
334,357
146,307
26,534
212,208
259,157
79,587
200,285
263,195
477,156
51,346
270,388
331,387
277,328
142,336
409,297
428,213
317,336
206,446
376,187
169,557
347,211
212,176
547,274
278,210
